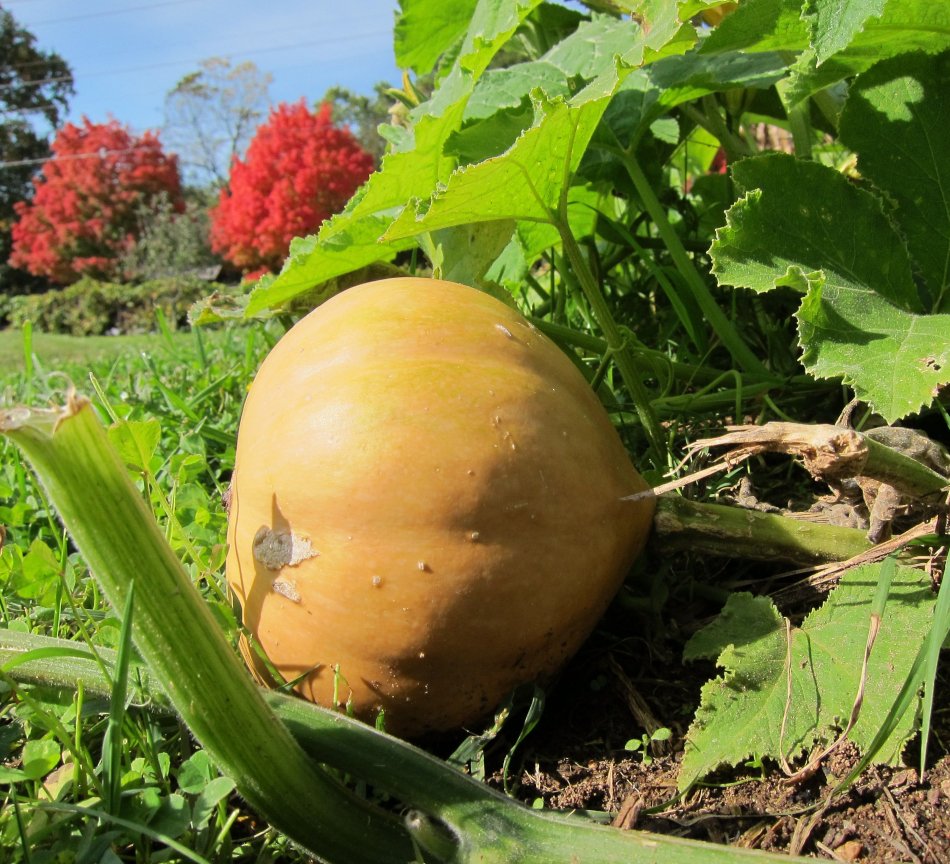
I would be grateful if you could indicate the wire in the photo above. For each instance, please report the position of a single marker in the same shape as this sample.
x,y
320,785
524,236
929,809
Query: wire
x,y
109,12
98,154
169,63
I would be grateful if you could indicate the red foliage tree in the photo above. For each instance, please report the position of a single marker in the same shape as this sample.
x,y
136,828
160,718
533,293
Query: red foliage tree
x,y
84,210
299,170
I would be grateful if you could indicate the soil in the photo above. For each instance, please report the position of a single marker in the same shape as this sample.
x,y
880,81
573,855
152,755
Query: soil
x,y
575,759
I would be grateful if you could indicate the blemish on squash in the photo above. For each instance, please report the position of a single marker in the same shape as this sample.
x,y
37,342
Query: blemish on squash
x,y
278,549
503,329
377,581
287,588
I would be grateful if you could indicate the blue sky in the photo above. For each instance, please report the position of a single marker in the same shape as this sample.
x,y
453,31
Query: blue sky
x,y
127,54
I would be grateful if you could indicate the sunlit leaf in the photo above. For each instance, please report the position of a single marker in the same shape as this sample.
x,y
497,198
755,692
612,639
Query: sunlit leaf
x,y
782,692
837,22
426,29
804,225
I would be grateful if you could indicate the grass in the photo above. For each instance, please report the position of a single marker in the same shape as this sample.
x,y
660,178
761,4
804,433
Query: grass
x,y
55,350
95,773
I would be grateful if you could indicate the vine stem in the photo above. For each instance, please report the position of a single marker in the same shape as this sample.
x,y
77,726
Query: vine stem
x,y
616,343
735,532
744,357
455,818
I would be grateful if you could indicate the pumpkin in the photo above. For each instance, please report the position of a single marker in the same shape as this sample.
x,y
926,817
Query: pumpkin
x,y
426,508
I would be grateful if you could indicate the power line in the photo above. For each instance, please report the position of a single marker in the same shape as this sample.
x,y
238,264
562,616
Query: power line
x,y
98,154
169,63
106,13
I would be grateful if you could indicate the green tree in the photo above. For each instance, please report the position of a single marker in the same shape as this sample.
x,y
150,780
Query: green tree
x,y
363,114
211,115
35,87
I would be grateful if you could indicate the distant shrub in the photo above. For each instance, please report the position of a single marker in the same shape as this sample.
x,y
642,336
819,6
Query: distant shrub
x,y
171,242
90,307
82,216
299,170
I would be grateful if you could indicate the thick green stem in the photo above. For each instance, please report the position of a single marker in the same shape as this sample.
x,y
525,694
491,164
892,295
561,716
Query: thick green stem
x,y
732,532
623,357
721,325
710,119
178,637
450,806
902,471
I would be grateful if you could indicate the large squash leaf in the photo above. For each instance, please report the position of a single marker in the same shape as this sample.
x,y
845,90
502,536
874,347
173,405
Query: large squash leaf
x,y
896,121
784,692
834,39
803,225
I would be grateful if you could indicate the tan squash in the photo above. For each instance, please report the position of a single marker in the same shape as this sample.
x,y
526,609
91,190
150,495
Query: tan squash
x,y
425,510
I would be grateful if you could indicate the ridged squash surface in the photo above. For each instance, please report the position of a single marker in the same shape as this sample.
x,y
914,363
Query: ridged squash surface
x,y
426,505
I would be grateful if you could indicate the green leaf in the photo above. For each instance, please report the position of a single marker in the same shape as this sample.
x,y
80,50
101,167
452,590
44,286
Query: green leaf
x,y
747,713
903,27
195,772
38,576
136,441
343,245
39,757
427,29
590,50
837,22
172,817
208,799
760,25
865,32
351,239
667,26
524,183
466,252
493,23
500,107
797,213
895,120
803,225
895,360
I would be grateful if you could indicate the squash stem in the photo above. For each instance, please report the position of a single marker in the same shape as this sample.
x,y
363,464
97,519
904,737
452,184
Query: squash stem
x,y
734,532
453,817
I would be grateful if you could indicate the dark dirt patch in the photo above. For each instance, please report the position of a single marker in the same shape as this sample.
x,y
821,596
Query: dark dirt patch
x,y
888,816
575,760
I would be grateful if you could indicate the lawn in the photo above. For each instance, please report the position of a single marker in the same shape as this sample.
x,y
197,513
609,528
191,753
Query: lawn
x,y
53,350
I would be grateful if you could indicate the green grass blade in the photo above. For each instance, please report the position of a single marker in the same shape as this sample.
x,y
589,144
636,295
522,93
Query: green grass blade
x,y
135,827
731,339
930,651
28,367
178,637
112,742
